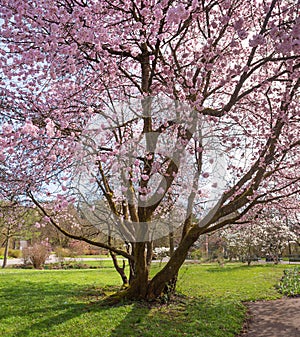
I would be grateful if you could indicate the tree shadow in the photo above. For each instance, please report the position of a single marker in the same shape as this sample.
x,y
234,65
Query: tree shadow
x,y
133,323
49,306
183,316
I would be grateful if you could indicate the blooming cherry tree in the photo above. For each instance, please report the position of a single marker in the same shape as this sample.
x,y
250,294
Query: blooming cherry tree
x,y
128,106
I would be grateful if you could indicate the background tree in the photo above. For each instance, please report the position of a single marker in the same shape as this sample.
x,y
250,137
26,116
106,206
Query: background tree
x,y
275,236
15,221
128,106
242,242
264,232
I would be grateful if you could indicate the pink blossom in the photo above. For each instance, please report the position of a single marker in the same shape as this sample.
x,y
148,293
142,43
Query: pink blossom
x,y
124,188
143,197
50,128
30,129
161,190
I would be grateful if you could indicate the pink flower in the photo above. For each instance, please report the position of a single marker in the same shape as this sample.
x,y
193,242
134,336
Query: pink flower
x,y
161,190
124,188
29,128
50,128
143,197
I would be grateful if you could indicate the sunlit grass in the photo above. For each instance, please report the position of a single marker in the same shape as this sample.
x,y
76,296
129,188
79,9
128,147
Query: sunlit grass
x,y
234,281
70,303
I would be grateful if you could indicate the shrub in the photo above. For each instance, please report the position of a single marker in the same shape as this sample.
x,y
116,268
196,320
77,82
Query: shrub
x,y
94,251
37,254
69,265
196,254
289,285
79,248
15,253
62,253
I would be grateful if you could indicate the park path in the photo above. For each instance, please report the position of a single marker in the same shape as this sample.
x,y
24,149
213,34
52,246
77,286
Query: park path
x,y
277,318
53,259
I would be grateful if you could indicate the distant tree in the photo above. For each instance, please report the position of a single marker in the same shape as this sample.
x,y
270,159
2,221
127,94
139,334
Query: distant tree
x,y
14,224
265,235
275,236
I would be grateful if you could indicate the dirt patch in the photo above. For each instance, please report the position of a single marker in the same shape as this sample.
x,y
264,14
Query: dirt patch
x,y
278,318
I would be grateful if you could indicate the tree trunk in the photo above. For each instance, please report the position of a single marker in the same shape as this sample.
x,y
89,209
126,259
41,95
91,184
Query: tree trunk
x,y
120,270
4,263
164,280
139,285
170,286
171,239
161,279
131,263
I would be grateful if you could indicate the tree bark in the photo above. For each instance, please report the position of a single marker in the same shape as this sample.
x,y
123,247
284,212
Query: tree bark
x,y
161,279
120,270
171,241
139,285
6,248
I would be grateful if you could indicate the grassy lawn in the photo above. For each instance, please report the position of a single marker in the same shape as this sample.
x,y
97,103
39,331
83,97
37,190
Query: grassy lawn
x,y
69,303
93,256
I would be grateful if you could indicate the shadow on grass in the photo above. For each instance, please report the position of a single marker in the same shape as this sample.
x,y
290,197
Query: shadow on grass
x,y
37,307
49,308
133,323
182,317
49,305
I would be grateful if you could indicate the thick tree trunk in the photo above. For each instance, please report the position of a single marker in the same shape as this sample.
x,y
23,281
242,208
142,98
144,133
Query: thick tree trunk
x,y
161,279
139,285
142,288
170,286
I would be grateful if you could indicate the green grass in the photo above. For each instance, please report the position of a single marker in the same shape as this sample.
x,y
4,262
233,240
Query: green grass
x,y
70,303
234,281
98,263
93,256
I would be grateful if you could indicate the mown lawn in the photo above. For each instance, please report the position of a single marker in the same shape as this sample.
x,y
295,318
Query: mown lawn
x,y
70,303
